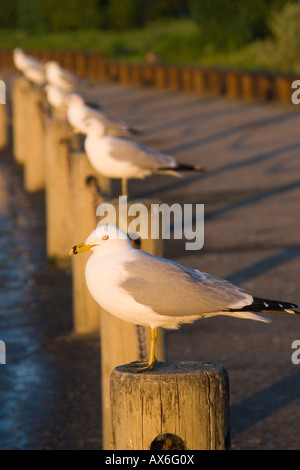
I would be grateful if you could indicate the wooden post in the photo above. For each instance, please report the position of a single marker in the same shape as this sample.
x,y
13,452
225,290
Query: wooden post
x,y
113,70
102,71
283,87
174,78
200,80
120,340
80,64
232,84
136,74
265,89
248,86
125,73
19,117
148,72
86,312
160,77
58,136
68,60
216,82
186,399
34,164
187,79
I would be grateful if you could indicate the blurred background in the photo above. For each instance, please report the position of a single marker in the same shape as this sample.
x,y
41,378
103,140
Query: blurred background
x,y
260,34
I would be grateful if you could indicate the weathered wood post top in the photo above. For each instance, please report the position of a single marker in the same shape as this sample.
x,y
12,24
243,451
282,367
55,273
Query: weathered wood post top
x,y
188,401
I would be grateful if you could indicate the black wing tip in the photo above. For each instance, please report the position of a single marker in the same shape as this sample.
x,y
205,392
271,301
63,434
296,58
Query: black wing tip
x,y
134,131
186,167
260,304
93,105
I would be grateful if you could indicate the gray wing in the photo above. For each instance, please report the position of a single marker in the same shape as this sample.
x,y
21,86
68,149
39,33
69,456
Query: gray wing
x,y
139,155
171,289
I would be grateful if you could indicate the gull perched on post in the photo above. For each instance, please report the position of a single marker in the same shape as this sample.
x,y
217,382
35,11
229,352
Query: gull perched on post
x,y
56,97
121,158
79,111
32,68
60,77
151,291
23,61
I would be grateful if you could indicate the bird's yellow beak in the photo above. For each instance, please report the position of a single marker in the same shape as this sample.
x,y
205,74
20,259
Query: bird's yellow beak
x,y
79,248
76,131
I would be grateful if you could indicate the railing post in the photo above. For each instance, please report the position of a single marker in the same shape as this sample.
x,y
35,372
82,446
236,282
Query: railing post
x,y
187,400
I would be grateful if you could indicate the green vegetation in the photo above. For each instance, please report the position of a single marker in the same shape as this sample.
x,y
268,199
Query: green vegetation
x,y
259,34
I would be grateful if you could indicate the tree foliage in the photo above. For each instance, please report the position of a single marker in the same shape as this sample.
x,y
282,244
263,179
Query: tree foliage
x,y
231,24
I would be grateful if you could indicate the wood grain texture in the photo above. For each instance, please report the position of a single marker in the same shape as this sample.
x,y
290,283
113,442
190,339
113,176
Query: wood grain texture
x,y
187,399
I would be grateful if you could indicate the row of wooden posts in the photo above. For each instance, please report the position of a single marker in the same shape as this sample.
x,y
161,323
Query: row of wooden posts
x,y
246,85
189,400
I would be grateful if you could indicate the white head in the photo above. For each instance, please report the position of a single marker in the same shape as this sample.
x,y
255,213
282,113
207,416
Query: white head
x,y
51,64
75,99
18,51
19,58
105,239
93,126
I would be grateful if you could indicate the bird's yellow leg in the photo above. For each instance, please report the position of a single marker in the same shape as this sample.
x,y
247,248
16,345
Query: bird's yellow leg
x,y
137,366
152,359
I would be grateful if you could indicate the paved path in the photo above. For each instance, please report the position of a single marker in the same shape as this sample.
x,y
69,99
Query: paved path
x,y
251,192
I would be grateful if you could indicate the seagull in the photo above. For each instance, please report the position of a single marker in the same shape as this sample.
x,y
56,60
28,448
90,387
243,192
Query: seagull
x,y
60,77
158,293
79,111
23,61
119,157
36,74
32,68
56,97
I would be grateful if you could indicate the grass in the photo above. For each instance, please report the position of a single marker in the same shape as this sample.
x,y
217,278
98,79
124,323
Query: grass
x,y
174,41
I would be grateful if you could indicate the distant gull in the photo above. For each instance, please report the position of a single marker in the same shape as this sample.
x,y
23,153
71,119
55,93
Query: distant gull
x,y
60,77
150,291
56,97
32,68
23,61
118,157
79,111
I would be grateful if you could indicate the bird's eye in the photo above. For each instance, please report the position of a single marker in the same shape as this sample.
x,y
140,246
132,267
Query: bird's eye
x,y
105,237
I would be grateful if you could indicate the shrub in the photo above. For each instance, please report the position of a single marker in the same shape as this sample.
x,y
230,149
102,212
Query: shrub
x,y
50,15
232,24
9,14
126,14
281,51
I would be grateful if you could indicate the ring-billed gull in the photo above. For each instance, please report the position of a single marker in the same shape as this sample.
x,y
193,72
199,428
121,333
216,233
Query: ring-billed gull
x,y
32,68
79,111
119,157
150,291
56,97
23,61
60,77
